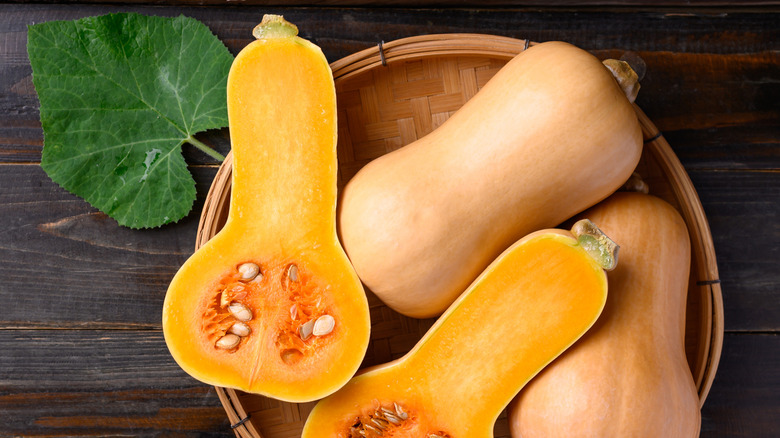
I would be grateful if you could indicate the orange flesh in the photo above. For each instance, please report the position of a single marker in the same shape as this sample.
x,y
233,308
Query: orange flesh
x,y
531,304
296,103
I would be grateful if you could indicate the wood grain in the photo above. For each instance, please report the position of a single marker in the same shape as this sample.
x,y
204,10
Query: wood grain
x,y
67,265
743,401
462,3
743,208
99,383
123,383
720,87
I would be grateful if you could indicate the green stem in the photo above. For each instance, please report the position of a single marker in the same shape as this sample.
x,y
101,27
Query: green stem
x,y
274,26
205,148
597,244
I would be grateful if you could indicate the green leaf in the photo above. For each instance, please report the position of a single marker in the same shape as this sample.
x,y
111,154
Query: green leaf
x,y
120,94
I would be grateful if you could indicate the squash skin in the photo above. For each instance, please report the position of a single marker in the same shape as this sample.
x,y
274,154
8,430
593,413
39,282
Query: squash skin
x,y
628,376
282,213
533,302
550,134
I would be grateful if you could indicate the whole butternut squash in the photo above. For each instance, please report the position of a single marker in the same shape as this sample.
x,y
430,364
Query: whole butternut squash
x,y
529,305
628,376
551,134
271,304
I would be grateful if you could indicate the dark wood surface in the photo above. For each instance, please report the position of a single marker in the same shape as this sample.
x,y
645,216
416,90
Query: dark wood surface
x,y
81,346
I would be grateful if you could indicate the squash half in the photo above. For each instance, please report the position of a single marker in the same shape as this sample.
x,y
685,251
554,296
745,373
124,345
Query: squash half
x,y
526,308
271,305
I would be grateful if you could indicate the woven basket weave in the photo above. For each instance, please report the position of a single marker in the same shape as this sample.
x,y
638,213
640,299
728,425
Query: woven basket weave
x,y
389,96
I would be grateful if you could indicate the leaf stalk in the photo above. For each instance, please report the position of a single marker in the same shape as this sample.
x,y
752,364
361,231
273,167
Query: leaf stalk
x,y
204,148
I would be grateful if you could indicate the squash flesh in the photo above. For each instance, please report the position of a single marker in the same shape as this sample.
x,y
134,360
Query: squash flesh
x,y
524,310
297,102
282,112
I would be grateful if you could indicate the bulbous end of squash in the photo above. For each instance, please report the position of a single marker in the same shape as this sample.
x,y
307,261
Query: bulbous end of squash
x,y
625,76
597,244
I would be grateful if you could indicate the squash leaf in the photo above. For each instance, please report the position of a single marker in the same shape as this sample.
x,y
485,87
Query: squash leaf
x,y
119,96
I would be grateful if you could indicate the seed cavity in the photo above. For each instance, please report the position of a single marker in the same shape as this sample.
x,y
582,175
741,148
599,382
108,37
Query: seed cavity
x,y
291,356
323,325
248,271
306,329
387,421
240,311
232,292
240,329
228,342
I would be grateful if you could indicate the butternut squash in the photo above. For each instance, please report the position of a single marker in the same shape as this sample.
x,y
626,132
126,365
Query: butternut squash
x,y
628,376
527,307
271,304
551,134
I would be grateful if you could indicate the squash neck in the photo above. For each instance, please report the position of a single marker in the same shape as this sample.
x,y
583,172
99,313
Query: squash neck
x,y
526,309
282,113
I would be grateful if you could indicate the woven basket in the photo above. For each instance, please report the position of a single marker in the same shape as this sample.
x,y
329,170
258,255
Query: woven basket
x,y
394,93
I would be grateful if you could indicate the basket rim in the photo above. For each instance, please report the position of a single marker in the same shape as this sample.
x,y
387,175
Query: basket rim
x,y
468,44
501,47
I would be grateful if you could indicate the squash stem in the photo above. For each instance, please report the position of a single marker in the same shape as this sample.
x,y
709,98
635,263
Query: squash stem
x,y
274,26
205,148
597,244
636,184
625,76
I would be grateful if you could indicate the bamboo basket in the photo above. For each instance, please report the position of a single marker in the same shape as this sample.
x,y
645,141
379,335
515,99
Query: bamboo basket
x,y
394,93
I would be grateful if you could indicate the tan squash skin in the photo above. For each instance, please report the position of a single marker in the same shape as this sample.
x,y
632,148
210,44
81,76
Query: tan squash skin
x,y
550,135
282,112
628,376
533,302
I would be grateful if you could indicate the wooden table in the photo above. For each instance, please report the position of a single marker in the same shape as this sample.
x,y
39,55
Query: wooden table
x,y
81,346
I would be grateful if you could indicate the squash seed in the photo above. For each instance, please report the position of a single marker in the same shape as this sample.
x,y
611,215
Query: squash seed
x,y
233,292
392,418
373,429
401,413
294,312
248,271
228,342
323,325
240,311
306,329
380,423
292,273
240,329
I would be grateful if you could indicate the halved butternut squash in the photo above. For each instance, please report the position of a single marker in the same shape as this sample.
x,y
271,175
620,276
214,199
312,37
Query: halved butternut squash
x,y
527,307
271,304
